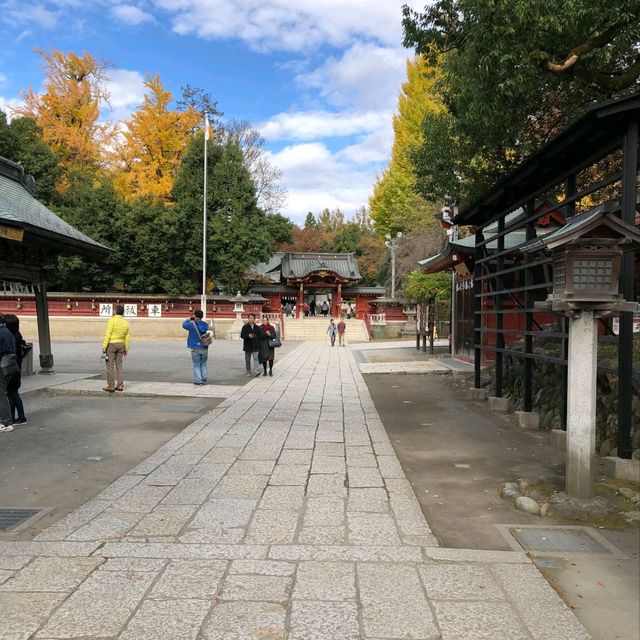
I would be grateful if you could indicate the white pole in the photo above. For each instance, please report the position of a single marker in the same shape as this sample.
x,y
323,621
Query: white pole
x,y
581,404
393,268
203,298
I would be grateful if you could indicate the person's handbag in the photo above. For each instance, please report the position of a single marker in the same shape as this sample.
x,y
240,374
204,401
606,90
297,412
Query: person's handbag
x,y
205,338
274,342
9,365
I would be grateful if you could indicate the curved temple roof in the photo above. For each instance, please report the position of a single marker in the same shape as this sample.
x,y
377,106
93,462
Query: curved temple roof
x,y
20,209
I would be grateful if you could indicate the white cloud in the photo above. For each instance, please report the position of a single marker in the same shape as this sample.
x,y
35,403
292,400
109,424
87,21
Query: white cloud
x,y
15,13
372,148
8,104
289,26
131,14
316,178
310,125
126,89
3,79
366,76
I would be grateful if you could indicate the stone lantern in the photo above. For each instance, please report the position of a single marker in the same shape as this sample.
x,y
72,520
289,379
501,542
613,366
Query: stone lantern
x,y
238,305
587,256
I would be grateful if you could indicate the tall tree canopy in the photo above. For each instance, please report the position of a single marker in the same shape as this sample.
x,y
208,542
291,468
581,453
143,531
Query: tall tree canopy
x,y
513,73
152,144
396,204
68,110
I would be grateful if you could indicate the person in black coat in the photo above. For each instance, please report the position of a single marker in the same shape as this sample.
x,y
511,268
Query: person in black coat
x,y
267,352
15,401
250,335
7,347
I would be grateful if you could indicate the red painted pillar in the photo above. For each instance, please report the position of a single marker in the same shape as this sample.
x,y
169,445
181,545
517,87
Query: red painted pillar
x,y
301,301
336,310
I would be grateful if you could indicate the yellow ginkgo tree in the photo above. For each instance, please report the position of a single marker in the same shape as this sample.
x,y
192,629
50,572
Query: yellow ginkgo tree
x,y
151,144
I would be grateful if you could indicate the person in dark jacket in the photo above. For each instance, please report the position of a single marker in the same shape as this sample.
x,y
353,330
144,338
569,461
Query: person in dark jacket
x,y
13,388
267,353
7,347
250,335
199,351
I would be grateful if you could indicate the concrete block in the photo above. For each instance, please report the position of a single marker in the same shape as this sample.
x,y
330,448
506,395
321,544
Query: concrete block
x,y
528,419
478,394
498,405
622,469
559,439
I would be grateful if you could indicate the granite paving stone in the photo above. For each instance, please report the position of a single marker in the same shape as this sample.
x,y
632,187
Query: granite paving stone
x,y
13,563
324,620
245,621
296,456
257,587
190,579
364,477
327,485
290,474
393,602
141,499
52,574
272,527
154,565
223,512
371,499
164,520
551,620
167,619
110,525
190,491
325,581
244,487
252,467
524,584
372,528
262,567
22,613
323,535
283,497
480,621
460,582
83,613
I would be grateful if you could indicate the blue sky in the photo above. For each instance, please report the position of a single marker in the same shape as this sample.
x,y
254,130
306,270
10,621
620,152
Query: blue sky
x,y
318,78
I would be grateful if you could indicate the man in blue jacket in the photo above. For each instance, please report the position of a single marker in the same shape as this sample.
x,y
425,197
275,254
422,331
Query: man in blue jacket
x,y
197,327
7,346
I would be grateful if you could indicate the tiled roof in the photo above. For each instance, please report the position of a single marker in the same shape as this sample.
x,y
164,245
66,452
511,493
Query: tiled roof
x,y
299,265
19,208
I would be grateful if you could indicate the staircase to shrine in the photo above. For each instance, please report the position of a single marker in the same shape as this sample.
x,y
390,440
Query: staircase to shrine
x,y
316,329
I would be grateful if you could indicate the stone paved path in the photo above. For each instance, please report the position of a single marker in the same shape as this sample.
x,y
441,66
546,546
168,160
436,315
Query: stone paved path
x,y
282,514
146,389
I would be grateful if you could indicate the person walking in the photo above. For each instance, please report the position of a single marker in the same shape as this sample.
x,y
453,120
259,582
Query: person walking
x,y
325,309
250,335
267,352
342,327
7,348
287,310
115,345
196,339
13,388
332,330
312,308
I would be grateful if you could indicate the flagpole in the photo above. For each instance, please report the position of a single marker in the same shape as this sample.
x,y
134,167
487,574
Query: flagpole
x,y
203,298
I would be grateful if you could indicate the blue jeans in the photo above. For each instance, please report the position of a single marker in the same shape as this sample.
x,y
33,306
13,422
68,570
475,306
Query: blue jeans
x,y
200,370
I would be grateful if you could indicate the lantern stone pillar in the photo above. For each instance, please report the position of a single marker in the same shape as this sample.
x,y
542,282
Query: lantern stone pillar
x,y
581,404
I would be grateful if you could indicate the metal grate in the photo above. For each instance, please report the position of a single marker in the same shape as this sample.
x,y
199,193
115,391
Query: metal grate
x,y
14,519
558,541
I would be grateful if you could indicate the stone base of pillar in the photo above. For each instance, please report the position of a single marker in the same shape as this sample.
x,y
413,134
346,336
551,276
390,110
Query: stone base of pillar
x,y
498,405
528,419
559,439
622,469
478,394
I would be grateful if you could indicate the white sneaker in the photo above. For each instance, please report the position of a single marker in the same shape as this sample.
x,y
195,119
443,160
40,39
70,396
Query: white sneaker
x,y
5,427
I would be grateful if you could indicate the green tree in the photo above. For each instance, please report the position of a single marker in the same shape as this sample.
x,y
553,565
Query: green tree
x,y
396,203
514,72
420,287
239,233
21,141
310,221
